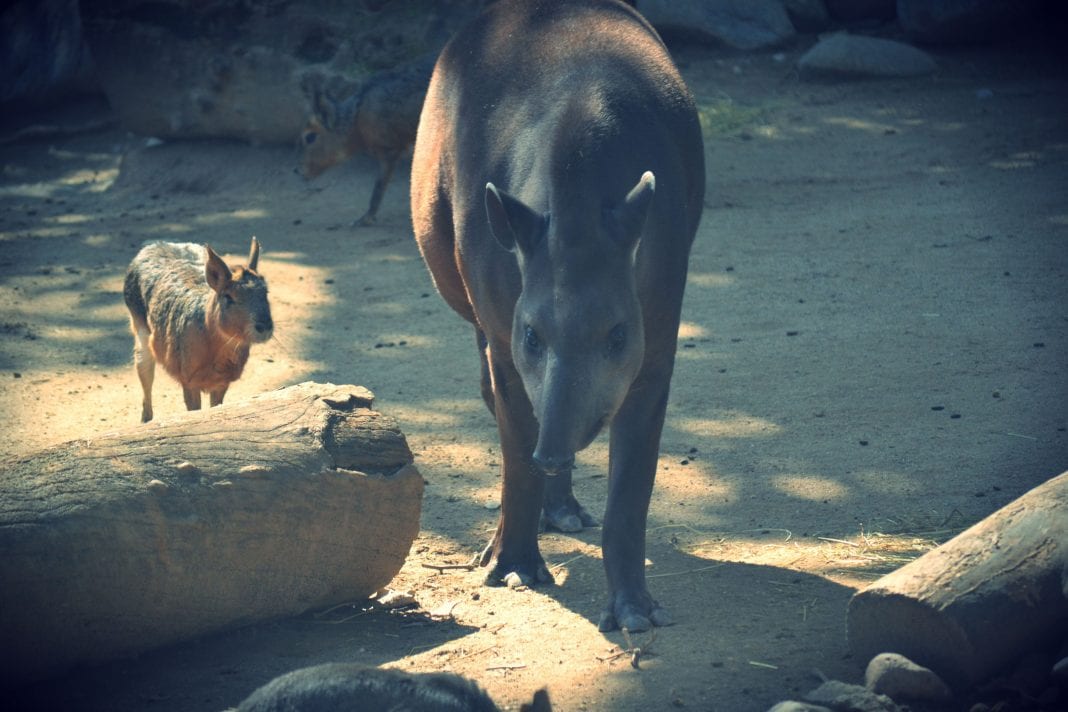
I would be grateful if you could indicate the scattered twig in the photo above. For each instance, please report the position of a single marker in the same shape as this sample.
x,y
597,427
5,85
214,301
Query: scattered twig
x,y
769,666
449,567
837,541
557,567
687,571
346,618
507,666
328,611
476,652
635,652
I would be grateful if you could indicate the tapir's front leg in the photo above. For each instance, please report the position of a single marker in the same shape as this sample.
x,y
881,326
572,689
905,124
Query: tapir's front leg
x,y
634,445
514,548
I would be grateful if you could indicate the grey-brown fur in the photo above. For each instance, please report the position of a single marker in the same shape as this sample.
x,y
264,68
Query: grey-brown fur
x,y
379,119
346,686
196,316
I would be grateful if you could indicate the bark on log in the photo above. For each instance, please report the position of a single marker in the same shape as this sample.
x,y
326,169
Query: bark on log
x,y
214,519
981,600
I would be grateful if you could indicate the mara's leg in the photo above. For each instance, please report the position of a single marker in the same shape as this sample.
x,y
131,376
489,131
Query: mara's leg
x,y
216,397
386,166
145,364
192,398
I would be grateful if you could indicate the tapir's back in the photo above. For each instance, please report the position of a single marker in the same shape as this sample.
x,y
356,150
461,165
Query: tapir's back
x,y
563,103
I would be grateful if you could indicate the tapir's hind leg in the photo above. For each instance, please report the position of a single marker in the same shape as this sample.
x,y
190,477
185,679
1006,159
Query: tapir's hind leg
x,y
560,510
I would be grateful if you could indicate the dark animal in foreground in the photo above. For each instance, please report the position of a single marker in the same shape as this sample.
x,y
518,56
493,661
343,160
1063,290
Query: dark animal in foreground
x,y
557,185
196,316
380,120
354,688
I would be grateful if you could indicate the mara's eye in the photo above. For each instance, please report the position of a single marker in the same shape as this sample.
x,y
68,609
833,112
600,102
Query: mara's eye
x,y
617,339
531,342
309,138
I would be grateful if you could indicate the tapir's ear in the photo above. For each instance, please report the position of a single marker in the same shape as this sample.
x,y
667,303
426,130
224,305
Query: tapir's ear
x,y
512,222
254,254
216,271
628,219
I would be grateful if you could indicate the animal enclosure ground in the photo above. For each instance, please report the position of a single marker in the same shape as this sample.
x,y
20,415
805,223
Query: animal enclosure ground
x,y
872,358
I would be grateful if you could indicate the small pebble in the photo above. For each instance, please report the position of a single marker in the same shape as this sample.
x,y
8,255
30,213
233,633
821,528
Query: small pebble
x,y
1060,670
795,706
839,695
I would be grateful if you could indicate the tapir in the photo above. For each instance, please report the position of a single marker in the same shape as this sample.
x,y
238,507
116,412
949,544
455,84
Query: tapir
x,y
557,184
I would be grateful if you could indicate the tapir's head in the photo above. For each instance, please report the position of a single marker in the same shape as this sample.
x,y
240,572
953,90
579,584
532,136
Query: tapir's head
x,y
577,337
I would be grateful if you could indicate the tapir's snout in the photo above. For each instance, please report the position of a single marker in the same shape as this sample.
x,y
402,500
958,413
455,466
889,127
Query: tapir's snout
x,y
553,464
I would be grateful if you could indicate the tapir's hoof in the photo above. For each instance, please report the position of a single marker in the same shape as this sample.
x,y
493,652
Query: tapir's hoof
x,y
568,517
514,575
633,617
366,221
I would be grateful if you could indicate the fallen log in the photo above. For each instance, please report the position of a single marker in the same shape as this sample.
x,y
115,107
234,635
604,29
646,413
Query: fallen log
x,y
214,519
981,600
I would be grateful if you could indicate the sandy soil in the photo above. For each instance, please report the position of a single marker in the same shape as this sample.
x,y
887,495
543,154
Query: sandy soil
x,y
873,352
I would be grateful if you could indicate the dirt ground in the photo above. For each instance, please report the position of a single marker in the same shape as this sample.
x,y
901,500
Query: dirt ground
x,y
872,358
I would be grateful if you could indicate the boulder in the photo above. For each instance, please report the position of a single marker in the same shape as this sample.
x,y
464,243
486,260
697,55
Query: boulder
x,y
847,56
235,69
964,21
42,51
861,10
808,16
899,678
741,24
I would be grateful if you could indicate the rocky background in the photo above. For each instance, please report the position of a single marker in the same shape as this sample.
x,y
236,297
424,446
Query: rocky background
x,y
242,69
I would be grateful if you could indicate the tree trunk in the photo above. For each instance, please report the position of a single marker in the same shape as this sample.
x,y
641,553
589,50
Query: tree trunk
x,y
217,518
979,601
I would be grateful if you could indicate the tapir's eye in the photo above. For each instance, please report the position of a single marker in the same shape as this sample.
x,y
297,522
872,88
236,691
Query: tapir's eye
x,y
531,342
617,339
309,138
229,300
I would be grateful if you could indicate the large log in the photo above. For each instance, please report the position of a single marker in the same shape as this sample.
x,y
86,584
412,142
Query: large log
x,y
217,518
981,600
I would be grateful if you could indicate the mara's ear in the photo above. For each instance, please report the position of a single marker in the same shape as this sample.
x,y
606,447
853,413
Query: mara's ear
x,y
324,109
216,271
254,254
512,222
627,220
